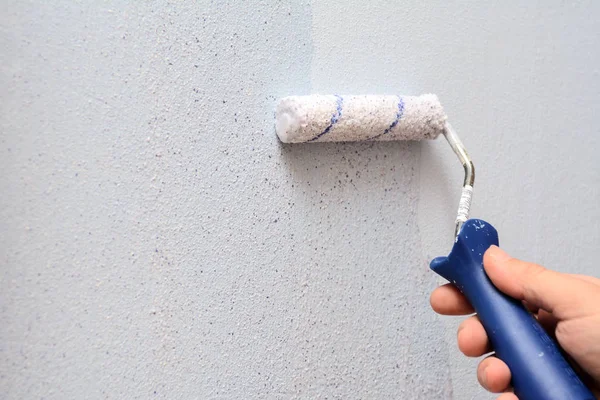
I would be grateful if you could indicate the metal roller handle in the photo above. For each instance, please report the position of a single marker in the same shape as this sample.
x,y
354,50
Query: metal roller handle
x,y
464,204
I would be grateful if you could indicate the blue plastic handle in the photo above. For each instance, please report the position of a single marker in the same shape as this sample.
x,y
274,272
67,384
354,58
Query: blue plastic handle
x,y
539,371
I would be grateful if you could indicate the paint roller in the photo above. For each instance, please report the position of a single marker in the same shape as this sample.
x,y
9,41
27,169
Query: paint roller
x,y
539,370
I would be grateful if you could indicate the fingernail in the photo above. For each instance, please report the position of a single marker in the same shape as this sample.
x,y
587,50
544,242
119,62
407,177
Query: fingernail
x,y
498,254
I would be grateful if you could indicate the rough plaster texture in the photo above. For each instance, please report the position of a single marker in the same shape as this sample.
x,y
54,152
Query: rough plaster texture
x,y
157,241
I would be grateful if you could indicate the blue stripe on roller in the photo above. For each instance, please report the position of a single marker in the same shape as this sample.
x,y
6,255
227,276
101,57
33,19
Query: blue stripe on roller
x,y
399,114
334,118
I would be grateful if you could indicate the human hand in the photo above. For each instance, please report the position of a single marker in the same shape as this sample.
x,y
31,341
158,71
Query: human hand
x,y
566,305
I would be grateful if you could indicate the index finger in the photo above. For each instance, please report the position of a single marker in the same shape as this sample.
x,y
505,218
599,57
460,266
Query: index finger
x,y
448,300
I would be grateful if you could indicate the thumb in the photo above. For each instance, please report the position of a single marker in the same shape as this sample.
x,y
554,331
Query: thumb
x,y
562,295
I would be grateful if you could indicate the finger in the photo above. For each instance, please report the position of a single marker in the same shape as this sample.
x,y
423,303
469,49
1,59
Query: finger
x,y
448,300
493,374
586,278
560,294
573,336
507,396
472,339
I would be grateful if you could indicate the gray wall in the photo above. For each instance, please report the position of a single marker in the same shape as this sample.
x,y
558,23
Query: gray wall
x,y
157,241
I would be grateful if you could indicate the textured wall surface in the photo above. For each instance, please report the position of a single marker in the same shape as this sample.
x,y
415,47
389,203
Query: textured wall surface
x,y
157,241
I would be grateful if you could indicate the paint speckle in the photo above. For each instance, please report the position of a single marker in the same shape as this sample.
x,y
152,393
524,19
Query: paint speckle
x,y
478,224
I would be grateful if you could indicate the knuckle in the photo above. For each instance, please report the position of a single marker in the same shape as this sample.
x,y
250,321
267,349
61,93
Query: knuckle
x,y
562,331
531,274
530,270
